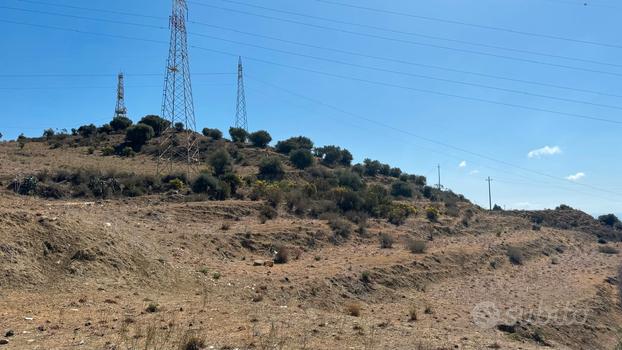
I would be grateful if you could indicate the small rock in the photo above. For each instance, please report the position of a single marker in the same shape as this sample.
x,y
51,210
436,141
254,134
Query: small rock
x,y
258,263
9,333
3,342
41,328
268,263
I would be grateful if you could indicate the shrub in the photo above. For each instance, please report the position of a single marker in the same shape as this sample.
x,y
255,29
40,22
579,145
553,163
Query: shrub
x,y
515,255
371,167
138,135
48,133
266,213
609,220
301,158
297,202
399,212
432,214
353,309
87,131
179,127
260,138
341,227
107,151
271,168
192,343
386,241
294,143
608,250
214,134
158,124
152,307
333,155
366,277
215,188
346,199
416,246
128,152
282,255
238,135
220,162
105,129
120,123
27,186
412,313
395,172
401,189
350,180
232,180
177,184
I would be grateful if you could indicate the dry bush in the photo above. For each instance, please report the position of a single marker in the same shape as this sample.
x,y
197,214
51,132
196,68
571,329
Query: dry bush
x,y
412,313
266,213
516,255
191,343
282,255
353,308
341,227
609,250
386,241
416,246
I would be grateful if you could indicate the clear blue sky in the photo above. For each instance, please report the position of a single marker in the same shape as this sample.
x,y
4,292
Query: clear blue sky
x,y
372,120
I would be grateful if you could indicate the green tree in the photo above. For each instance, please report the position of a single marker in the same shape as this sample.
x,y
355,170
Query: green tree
x,y
120,123
138,135
301,158
271,168
401,189
179,127
609,220
215,188
238,135
158,124
294,143
48,133
260,138
87,130
215,134
220,162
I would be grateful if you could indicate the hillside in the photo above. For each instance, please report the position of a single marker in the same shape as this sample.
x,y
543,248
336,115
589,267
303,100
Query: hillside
x,y
285,247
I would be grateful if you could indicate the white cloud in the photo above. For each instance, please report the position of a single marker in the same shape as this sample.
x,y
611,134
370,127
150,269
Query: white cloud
x,y
544,151
575,177
463,164
473,172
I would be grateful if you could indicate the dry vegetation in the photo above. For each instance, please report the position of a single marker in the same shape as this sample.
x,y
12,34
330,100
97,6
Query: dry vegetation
x,y
261,252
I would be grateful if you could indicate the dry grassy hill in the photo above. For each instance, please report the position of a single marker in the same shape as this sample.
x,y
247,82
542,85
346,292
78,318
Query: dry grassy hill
x,y
96,252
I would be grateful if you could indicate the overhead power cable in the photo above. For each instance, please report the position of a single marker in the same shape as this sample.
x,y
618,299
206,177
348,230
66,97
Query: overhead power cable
x,y
416,43
438,93
473,25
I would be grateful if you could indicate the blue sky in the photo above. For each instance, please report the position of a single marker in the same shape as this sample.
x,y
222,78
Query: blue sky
x,y
396,109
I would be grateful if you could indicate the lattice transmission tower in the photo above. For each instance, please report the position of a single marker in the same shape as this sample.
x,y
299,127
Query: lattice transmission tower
x,y
177,102
241,121
120,110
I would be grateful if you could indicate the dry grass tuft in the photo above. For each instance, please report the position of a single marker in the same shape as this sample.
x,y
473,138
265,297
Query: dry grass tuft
x,y
353,308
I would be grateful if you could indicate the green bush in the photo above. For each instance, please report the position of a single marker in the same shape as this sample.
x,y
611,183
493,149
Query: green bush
x,y
128,152
371,167
120,123
294,143
105,129
333,155
48,133
301,158
341,227
347,199
609,220
432,214
238,135
214,134
350,180
271,168
260,138
158,124
401,189
179,127
220,161
416,246
515,255
399,212
87,131
266,213
386,241
395,172
212,186
233,181
138,135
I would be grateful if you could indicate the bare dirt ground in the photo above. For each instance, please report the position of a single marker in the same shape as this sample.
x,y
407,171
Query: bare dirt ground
x,y
152,272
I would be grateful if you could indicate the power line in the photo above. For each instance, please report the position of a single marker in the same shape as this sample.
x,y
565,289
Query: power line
x,y
336,50
438,93
346,23
410,42
474,25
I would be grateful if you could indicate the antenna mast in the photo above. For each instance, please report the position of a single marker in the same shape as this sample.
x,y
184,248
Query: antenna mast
x,y
120,110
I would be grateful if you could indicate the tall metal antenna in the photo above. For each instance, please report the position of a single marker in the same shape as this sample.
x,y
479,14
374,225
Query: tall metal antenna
x,y
489,180
241,120
120,111
177,101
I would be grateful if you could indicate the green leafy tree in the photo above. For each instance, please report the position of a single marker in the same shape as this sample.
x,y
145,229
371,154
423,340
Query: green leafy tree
x,y
87,130
271,168
138,135
158,124
220,162
260,138
401,189
238,135
120,123
215,188
215,134
333,155
48,133
105,129
179,127
301,158
294,143
609,220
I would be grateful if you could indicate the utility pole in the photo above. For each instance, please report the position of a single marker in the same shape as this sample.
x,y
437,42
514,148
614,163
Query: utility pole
x,y
177,101
439,178
120,110
241,120
489,180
